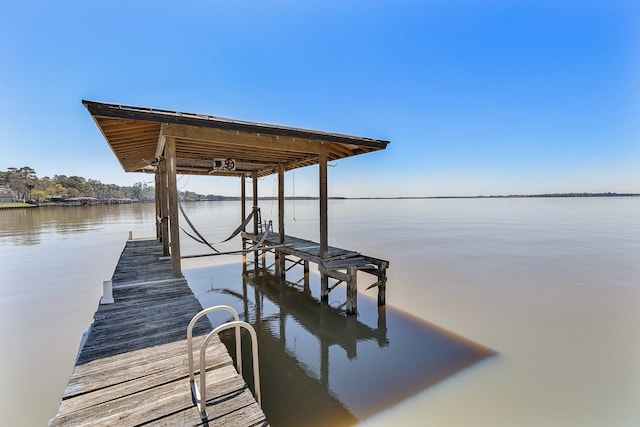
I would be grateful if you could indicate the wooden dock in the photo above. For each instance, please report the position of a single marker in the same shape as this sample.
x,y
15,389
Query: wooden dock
x,y
133,369
341,265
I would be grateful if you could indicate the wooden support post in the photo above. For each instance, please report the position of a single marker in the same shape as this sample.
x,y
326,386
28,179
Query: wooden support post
x,y
164,208
324,242
243,214
382,289
256,219
281,256
158,210
352,290
245,298
257,297
174,230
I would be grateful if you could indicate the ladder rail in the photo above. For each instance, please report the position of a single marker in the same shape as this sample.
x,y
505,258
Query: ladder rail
x,y
198,392
203,374
190,336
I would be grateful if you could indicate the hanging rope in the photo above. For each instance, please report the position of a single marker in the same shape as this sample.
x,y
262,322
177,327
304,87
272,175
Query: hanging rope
x,y
191,235
202,239
254,247
240,227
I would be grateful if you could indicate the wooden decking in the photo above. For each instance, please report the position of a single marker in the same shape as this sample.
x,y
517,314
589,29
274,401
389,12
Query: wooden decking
x,y
341,265
133,369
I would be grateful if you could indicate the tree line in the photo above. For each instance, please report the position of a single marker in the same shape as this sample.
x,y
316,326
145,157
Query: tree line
x,y
25,182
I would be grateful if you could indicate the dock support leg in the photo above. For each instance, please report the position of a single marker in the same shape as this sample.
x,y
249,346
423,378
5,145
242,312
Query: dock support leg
x,y
307,288
164,208
282,267
174,230
382,295
254,180
352,291
157,200
382,289
243,215
244,255
324,287
324,224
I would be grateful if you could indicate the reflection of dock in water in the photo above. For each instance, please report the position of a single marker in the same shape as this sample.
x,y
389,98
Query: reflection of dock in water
x,y
314,402
328,324
321,367
307,393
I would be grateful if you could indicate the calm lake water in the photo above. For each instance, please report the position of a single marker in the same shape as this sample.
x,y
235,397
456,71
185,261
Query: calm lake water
x,y
500,312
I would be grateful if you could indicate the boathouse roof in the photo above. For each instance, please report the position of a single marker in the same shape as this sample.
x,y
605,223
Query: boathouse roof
x,y
211,145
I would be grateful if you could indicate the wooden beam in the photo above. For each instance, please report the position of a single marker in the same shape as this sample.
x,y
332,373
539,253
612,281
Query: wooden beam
x,y
170,150
247,140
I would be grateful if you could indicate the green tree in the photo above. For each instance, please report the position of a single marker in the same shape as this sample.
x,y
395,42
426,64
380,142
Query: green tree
x,y
39,195
25,181
22,180
56,190
4,177
76,186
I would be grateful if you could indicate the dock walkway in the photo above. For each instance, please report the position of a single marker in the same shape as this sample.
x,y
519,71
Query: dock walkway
x,y
133,367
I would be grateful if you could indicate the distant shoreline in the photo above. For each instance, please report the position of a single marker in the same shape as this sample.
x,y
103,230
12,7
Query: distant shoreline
x,y
511,196
7,206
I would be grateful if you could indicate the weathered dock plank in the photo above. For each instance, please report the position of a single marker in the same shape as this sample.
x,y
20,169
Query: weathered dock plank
x,y
133,367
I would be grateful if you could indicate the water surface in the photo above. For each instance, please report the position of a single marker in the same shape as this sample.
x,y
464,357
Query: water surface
x,y
550,285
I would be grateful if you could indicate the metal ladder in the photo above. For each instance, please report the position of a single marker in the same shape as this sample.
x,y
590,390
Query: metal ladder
x,y
199,393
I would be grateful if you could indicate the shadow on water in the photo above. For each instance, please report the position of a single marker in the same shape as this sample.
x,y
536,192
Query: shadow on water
x,y
320,367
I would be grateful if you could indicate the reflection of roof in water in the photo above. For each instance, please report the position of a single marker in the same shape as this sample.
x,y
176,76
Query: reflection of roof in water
x,y
310,381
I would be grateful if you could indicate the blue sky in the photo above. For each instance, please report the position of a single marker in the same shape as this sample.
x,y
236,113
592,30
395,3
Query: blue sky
x,y
476,97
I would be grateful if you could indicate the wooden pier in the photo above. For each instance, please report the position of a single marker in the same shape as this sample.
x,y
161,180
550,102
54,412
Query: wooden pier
x,y
133,369
342,265
167,143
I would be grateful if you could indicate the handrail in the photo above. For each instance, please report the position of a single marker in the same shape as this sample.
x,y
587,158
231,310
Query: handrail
x,y
190,336
199,393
